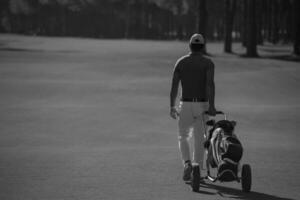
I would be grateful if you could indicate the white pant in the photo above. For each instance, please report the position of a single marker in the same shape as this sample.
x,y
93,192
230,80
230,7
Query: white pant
x,y
191,121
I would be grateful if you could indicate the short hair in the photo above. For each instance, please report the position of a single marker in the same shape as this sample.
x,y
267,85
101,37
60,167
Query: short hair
x,y
197,47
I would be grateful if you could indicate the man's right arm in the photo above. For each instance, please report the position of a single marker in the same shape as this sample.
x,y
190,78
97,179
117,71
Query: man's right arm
x,y
174,88
174,91
211,89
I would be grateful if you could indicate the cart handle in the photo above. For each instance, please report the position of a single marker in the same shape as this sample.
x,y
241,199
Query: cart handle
x,y
217,113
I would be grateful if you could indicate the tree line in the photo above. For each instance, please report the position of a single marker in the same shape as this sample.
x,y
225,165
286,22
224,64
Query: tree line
x,y
252,22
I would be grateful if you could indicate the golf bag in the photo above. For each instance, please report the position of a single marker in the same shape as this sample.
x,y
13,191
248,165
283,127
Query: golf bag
x,y
224,150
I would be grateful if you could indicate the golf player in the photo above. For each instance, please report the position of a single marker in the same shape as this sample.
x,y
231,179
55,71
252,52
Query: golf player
x,y
195,73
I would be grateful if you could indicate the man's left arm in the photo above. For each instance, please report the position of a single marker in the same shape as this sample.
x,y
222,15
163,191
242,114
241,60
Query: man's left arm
x,y
210,84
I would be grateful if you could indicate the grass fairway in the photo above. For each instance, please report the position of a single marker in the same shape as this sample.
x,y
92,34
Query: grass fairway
x,y
89,119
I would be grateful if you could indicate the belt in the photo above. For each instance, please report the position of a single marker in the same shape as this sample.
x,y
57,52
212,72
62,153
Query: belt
x,y
194,99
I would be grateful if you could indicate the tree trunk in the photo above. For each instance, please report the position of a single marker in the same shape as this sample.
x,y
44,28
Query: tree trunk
x,y
274,17
63,21
179,28
230,6
269,21
128,20
296,13
289,25
259,21
245,26
144,19
251,33
264,27
202,19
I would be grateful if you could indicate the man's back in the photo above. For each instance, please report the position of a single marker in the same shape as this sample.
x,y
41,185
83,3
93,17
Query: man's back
x,y
196,75
192,70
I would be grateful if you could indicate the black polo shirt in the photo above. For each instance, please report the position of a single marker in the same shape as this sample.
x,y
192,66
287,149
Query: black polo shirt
x,y
192,70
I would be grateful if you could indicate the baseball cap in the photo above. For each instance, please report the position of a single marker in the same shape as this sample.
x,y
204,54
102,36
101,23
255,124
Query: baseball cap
x,y
197,39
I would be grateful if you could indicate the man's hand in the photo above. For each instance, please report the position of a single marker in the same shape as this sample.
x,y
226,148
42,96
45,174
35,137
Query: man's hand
x,y
174,113
212,111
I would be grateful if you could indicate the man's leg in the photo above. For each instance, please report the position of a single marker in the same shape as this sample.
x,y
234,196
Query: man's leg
x,y
199,130
184,123
198,142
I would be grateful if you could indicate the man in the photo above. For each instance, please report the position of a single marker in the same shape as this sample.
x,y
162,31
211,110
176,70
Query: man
x,y
196,75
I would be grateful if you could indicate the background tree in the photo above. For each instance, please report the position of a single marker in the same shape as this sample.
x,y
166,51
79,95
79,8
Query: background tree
x,y
202,19
230,7
245,26
259,21
251,28
4,12
296,22
274,21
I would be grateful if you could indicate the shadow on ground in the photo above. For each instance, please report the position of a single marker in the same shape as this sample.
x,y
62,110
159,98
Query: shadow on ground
x,y
288,57
274,49
283,57
12,49
236,193
273,52
17,49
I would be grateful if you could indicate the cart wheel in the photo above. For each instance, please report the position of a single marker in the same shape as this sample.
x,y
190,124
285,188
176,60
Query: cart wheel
x,y
195,178
246,178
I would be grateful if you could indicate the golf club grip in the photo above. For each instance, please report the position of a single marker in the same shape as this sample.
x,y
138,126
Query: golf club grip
x,y
217,113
